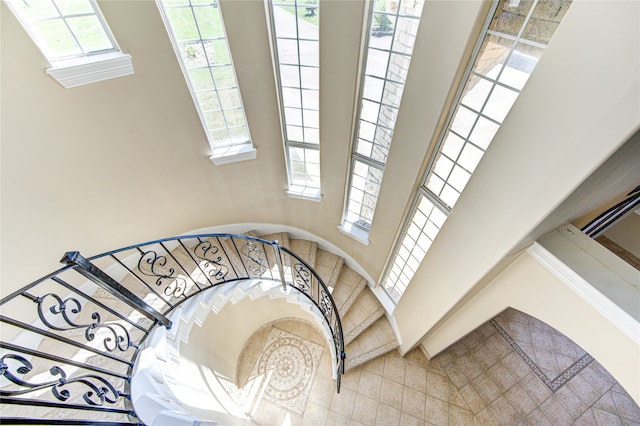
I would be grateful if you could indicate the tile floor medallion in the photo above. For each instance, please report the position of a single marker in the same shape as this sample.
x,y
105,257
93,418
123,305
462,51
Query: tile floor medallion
x,y
288,363
553,357
481,380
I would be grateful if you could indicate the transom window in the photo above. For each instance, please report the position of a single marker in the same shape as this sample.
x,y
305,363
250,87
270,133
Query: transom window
x,y
65,29
393,25
197,32
296,46
506,54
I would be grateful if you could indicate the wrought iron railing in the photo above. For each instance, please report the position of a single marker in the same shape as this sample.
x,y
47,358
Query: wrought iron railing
x,y
70,339
610,216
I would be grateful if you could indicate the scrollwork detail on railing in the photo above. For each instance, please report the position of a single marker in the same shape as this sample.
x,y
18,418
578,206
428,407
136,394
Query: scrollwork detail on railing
x,y
100,390
302,278
208,252
153,265
254,258
52,307
325,305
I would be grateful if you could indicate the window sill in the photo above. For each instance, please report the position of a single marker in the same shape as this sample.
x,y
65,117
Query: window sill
x,y
91,69
233,154
305,193
355,232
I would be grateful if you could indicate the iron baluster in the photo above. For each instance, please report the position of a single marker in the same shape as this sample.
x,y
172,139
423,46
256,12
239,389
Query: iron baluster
x,y
276,250
95,274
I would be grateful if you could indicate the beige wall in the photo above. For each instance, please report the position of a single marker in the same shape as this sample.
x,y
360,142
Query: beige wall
x,y
572,115
528,286
122,161
118,162
101,166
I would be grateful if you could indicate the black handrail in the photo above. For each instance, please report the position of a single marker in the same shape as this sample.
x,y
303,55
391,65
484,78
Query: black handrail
x,y
611,216
70,342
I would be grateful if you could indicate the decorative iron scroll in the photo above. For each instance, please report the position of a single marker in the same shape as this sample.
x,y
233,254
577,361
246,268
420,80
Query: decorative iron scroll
x,y
254,258
302,278
52,307
85,386
100,390
153,265
325,305
213,267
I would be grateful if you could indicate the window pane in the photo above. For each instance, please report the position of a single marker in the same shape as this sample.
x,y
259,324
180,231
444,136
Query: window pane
x,y
495,75
463,121
209,100
373,88
406,29
183,23
293,116
291,97
476,92
545,19
90,33
382,85
493,53
229,98
382,28
217,52
284,22
64,29
35,10
56,39
483,132
298,54
311,118
520,65
288,51
290,75
310,77
370,111
70,7
470,157
209,22
224,76
197,28
452,145
311,99
201,78
377,61
510,16
500,103
309,53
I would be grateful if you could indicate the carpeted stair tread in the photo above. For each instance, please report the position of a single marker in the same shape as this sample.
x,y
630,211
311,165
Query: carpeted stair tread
x,y
305,249
363,313
281,237
376,340
347,289
328,266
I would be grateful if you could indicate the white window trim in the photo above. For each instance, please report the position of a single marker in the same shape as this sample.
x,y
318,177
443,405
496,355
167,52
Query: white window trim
x,y
91,69
220,155
354,231
233,154
300,192
304,193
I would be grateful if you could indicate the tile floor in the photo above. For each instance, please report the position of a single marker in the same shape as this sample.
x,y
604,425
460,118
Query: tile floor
x,y
526,374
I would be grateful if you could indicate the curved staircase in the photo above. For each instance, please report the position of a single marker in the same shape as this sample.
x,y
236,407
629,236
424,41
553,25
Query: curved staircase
x,y
78,317
367,332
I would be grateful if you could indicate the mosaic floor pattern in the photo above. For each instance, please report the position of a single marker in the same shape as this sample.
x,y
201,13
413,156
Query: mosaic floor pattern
x,y
554,356
288,364
481,380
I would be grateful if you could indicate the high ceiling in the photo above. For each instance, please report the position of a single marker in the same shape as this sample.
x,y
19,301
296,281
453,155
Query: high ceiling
x,y
113,163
